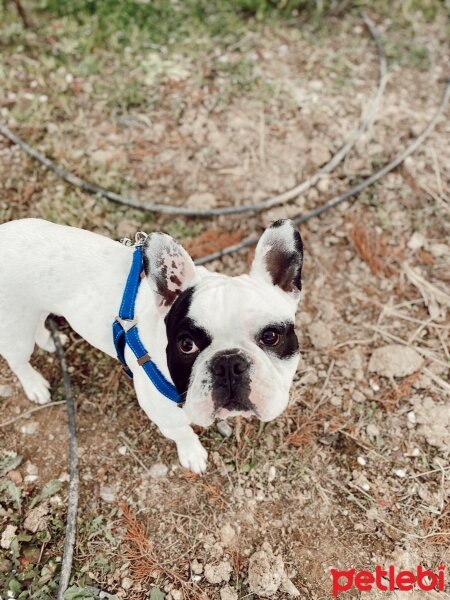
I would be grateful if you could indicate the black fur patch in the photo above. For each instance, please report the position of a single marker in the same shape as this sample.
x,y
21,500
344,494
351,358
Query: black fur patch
x,y
285,267
178,324
288,344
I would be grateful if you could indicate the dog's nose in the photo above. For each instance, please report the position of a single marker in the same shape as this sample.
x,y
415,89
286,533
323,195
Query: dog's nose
x,y
230,366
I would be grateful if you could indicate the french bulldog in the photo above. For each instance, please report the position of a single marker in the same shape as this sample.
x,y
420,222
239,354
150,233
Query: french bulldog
x,y
228,344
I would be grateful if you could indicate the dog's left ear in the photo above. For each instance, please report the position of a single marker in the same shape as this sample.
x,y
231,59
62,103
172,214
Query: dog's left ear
x,y
279,257
169,269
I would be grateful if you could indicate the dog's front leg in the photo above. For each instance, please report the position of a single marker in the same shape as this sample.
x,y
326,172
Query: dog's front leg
x,y
173,423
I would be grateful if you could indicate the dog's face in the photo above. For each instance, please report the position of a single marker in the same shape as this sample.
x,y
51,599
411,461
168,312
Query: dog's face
x,y
231,344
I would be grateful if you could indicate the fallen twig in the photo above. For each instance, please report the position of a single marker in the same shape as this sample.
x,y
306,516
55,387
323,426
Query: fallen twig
x,y
30,412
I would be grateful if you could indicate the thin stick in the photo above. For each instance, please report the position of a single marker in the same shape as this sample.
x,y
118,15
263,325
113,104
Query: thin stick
x,y
23,14
168,209
30,412
69,540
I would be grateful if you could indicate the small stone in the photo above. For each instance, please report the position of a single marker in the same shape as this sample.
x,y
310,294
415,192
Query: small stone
x,y
6,391
122,450
439,250
319,154
227,534
196,567
228,593
29,428
201,200
38,517
335,401
358,396
271,474
218,573
416,241
372,430
127,583
7,536
320,335
361,461
158,471
224,429
400,473
411,416
395,360
289,588
265,572
177,595
107,493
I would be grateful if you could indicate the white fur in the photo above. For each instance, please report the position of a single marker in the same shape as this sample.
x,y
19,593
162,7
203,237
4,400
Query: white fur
x,y
47,268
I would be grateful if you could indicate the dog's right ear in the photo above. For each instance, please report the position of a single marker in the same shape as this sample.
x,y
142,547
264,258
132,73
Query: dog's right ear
x,y
169,269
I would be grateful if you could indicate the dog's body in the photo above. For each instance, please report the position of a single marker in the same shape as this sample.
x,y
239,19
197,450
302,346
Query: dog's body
x,y
227,343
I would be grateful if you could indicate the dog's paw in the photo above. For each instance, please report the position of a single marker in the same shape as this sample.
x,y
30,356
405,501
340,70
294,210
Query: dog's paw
x,y
193,456
37,388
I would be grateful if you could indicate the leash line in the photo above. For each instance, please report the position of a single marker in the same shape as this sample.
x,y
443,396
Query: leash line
x,y
365,122
69,540
353,191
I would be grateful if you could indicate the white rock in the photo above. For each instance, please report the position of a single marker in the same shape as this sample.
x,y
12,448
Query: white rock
x,y
127,583
218,573
400,473
158,471
107,493
38,517
224,428
29,428
372,430
361,461
416,241
177,595
6,391
265,572
411,416
7,536
228,593
434,422
227,534
271,474
320,335
196,567
395,360
438,250
122,450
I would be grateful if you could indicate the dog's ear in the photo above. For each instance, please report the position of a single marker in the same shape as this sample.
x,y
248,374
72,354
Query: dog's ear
x,y
279,257
169,269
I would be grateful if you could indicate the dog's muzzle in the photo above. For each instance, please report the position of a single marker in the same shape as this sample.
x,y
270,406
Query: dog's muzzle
x,y
230,371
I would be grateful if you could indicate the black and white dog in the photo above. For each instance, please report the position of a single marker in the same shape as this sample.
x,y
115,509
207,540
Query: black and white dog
x,y
227,343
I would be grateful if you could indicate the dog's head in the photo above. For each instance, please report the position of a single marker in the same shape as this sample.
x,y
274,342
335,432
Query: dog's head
x,y
231,344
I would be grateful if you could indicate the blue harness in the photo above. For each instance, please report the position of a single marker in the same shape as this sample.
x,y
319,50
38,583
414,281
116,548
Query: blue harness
x,y
125,331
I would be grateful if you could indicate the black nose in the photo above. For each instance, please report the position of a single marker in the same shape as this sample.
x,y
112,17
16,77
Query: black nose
x,y
231,378
230,365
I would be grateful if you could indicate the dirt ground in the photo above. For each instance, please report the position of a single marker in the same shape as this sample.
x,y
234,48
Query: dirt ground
x,y
356,472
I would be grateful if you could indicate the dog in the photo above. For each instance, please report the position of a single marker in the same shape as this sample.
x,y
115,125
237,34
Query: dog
x,y
227,344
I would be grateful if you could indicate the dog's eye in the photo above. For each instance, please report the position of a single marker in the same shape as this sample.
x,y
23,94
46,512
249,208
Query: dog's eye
x,y
270,337
187,345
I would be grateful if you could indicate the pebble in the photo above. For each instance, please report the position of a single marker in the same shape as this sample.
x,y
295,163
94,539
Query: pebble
x,y
127,583
107,493
272,473
335,401
411,416
218,573
37,518
320,335
176,594
372,430
266,574
361,461
6,391
225,429
416,241
122,450
227,534
228,593
29,428
196,567
400,473
7,536
158,471
15,477
395,360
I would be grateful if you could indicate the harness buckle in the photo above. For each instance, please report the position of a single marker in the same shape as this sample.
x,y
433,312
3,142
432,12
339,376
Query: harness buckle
x,y
127,324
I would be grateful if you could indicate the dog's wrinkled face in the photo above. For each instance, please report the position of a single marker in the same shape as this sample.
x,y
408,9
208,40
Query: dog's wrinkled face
x,y
231,344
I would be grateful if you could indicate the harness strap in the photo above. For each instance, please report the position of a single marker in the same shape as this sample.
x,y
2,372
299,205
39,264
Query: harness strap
x,y
125,332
